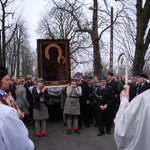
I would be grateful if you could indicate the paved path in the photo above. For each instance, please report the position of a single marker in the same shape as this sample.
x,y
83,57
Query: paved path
x,y
57,139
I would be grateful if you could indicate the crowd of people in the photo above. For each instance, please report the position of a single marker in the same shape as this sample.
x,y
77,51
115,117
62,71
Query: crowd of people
x,y
89,100
85,100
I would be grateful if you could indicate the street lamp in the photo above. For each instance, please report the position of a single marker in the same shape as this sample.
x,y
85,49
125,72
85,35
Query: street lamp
x,y
111,38
111,42
92,8
0,46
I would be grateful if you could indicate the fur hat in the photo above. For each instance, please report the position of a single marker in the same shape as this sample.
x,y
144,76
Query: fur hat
x,y
3,72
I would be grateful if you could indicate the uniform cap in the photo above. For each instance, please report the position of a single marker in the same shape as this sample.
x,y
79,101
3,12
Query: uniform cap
x,y
142,75
84,76
88,77
78,74
110,74
135,75
103,79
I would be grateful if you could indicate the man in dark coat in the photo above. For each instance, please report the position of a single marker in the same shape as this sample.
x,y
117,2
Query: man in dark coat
x,y
114,85
104,99
91,98
133,86
143,84
28,84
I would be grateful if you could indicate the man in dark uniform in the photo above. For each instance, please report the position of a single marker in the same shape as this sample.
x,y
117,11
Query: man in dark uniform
x,y
133,86
114,85
143,84
104,99
90,92
84,100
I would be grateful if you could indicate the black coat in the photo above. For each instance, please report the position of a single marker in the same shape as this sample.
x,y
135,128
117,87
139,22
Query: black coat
x,y
85,92
104,96
12,90
143,87
36,97
28,93
114,85
133,90
121,86
90,92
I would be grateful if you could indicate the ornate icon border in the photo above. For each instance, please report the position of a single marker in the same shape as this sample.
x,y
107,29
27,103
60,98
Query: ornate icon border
x,y
43,57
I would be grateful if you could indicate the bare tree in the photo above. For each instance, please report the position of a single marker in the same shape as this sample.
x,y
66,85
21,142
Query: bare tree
x,y
28,64
132,33
125,32
73,8
11,57
58,24
142,34
75,11
19,55
5,15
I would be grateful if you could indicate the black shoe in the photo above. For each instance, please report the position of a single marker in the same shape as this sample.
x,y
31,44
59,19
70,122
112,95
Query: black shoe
x,y
112,125
77,131
29,123
108,132
91,122
68,132
38,136
96,125
87,125
100,134
43,135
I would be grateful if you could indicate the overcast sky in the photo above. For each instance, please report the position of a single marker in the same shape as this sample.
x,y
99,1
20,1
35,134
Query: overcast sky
x,y
32,12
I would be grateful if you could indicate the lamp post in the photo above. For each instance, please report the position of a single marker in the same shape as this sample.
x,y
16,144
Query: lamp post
x,y
111,42
111,38
0,47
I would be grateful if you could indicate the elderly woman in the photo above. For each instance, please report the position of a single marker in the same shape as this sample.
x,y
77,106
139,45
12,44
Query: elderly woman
x,y
21,99
72,106
40,111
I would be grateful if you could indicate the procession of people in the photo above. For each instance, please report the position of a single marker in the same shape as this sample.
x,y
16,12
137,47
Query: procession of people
x,y
92,101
